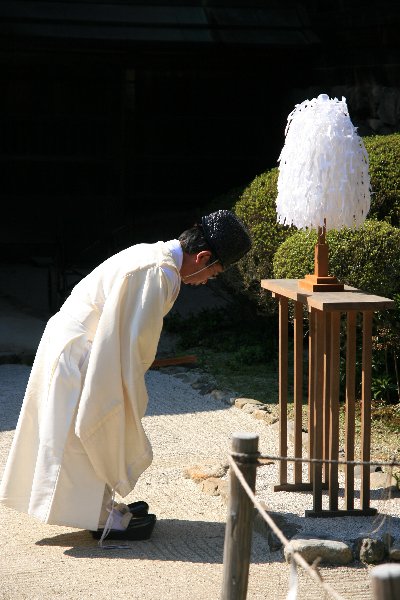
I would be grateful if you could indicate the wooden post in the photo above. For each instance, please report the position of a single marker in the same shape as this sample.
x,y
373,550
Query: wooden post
x,y
283,385
318,408
239,525
311,371
334,410
385,582
327,392
350,407
298,389
366,408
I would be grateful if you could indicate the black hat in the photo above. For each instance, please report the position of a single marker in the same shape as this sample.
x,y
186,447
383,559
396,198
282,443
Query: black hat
x,y
227,236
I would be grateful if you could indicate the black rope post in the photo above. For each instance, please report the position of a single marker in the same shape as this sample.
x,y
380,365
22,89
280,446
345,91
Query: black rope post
x,y
239,524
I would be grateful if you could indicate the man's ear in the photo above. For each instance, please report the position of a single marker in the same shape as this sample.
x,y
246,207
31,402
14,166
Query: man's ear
x,y
203,257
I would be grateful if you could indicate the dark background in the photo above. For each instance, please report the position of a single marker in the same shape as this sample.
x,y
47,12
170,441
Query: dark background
x,y
121,121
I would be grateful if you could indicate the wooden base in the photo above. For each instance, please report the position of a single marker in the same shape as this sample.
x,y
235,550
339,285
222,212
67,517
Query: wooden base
x,y
297,487
355,512
169,362
314,283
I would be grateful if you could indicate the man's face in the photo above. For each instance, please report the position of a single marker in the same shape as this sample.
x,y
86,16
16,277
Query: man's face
x,y
201,270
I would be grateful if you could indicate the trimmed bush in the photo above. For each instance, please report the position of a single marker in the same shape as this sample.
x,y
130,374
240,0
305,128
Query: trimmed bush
x,y
368,258
257,208
384,170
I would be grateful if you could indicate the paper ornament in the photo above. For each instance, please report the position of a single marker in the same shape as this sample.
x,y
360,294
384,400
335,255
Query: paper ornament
x,y
323,168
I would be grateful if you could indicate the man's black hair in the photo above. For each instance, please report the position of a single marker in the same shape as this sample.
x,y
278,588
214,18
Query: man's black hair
x,y
193,241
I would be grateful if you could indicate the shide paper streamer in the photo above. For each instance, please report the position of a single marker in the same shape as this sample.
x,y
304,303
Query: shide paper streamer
x,y
323,168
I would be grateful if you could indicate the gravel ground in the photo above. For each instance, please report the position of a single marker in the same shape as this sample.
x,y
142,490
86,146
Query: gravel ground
x,y
183,559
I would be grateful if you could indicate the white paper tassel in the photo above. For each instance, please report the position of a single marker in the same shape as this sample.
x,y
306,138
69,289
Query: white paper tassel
x,y
323,170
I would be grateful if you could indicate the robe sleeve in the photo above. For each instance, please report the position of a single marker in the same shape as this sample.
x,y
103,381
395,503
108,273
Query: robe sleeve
x,y
114,396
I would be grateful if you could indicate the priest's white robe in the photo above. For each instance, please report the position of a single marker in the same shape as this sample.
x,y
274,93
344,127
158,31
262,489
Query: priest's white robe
x,y
80,424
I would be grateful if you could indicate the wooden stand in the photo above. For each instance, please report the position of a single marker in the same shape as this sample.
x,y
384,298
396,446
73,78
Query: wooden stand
x,y
325,310
320,280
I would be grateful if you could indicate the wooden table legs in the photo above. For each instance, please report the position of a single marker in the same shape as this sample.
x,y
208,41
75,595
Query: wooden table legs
x,y
323,406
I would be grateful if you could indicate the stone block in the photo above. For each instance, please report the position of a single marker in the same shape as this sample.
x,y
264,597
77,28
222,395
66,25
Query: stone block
x,y
223,489
379,480
210,486
201,472
329,551
372,550
240,402
263,415
394,552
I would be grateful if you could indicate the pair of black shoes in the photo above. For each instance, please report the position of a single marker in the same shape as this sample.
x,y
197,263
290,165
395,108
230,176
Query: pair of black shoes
x,y
140,526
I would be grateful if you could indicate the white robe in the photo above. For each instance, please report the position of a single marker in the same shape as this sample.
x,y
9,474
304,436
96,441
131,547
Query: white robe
x,y
80,424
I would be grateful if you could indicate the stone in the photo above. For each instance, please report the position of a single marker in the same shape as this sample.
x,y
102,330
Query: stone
x,y
249,408
385,481
223,488
252,407
210,486
264,415
358,470
201,472
394,552
372,550
202,387
221,396
213,486
329,551
241,402
275,426
261,526
187,377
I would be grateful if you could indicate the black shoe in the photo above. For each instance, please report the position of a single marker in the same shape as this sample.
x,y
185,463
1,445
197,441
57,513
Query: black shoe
x,y
139,528
139,508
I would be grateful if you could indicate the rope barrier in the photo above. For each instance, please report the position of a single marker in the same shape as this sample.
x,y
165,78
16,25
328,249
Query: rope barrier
x,y
239,457
312,571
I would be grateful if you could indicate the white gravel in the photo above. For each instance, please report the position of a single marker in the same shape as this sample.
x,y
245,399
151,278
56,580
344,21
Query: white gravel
x,y
187,428
184,555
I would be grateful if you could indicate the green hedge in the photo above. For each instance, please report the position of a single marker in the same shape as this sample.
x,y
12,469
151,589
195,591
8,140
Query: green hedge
x,y
384,170
368,258
257,208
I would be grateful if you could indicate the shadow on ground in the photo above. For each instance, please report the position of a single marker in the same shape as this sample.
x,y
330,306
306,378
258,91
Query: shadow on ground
x,y
172,540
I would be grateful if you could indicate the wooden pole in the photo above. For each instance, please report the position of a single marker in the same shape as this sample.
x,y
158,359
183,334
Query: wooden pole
x,y
385,582
298,389
283,385
366,408
319,378
311,371
334,410
327,392
350,407
239,525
